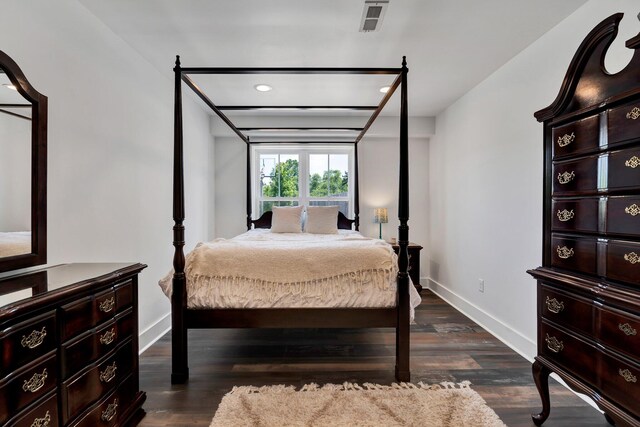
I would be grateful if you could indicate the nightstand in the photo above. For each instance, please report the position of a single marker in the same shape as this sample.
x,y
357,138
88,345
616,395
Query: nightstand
x,y
414,263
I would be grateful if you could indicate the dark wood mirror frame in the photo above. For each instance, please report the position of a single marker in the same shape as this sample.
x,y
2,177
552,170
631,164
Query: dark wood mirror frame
x,y
38,253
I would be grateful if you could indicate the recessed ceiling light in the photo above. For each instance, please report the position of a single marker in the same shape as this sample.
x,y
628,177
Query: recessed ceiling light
x,y
9,86
263,88
385,89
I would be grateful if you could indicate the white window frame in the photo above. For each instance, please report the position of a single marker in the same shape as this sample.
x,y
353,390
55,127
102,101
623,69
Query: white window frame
x,y
303,152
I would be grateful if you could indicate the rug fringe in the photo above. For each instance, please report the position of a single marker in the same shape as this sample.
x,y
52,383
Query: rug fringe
x,y
347,386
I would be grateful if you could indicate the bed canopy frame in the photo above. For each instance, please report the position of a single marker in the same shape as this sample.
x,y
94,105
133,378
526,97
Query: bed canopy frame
x,y
183,318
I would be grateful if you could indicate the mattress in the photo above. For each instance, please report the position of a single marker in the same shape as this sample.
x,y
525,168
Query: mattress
x,y
261,269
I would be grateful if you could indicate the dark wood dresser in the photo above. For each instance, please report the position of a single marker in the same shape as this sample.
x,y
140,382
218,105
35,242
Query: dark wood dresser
x,y
69,347
414,263
589,282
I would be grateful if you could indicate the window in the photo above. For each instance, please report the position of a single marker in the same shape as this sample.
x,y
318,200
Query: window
x,y
303,176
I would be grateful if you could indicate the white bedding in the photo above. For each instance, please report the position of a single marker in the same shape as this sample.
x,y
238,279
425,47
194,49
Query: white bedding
x,y
15,243
261,269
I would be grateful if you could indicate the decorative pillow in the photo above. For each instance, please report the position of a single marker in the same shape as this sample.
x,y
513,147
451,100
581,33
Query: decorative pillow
x,y
322,220
286,219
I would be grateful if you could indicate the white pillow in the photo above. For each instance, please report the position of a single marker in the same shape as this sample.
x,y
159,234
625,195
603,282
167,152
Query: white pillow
x,y
322,220
286,219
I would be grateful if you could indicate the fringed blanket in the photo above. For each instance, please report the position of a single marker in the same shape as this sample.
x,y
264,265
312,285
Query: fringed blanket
x,y
260,269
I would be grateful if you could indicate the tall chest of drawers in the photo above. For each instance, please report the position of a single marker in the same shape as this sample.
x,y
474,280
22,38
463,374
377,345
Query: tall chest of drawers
x,y
69,347
589,283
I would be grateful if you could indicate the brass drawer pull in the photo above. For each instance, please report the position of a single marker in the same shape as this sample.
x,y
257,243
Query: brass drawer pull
x,y
554,344
565,252
109,413
627,329
633,210
632,257
634,113
42,422
107,305
108,337
554,306
566,139
109,373
565,215
34,339
36,382
566,177
627,375
633,162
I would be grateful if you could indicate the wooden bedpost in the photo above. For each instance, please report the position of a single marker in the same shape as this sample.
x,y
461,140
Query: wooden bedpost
x,y
403,372
248,185
356,189
179,366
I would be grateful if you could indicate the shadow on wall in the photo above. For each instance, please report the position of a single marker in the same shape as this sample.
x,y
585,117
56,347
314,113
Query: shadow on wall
x,y
434,270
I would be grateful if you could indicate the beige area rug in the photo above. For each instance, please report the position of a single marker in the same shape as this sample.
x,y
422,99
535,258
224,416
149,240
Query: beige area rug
x,y
348,404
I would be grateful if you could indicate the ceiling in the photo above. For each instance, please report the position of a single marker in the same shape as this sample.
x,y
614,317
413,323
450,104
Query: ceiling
x,y
12,97
451,46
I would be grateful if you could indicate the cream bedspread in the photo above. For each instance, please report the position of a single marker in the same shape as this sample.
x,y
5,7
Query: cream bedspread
x,y
260,269
15,243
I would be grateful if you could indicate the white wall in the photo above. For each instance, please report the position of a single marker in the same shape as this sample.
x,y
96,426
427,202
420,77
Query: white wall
x,y
485,180
230,186
110,145
15,173
379,172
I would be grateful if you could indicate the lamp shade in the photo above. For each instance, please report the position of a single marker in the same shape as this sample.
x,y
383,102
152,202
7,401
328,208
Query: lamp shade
x,y
381,216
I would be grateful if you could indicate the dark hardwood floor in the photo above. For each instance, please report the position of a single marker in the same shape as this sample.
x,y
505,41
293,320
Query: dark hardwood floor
x,y
445,346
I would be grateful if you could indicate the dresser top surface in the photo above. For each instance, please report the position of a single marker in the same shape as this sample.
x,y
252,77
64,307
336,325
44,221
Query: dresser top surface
x,y
54,281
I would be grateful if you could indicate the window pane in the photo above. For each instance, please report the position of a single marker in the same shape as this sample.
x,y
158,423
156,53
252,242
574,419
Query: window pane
x,y
267,174
266,206
343,205
318,167
279,175
328,175
338,175
287,171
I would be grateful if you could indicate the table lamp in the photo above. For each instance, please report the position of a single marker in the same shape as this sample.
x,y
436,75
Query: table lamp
x,y
380,217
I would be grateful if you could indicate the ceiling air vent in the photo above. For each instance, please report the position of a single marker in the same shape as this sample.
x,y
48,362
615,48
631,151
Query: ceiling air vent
x,y
372,15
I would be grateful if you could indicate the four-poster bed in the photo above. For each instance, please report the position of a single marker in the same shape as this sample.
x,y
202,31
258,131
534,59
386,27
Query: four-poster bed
x,y
184,317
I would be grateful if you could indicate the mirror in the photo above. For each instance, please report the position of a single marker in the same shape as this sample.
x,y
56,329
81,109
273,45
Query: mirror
x,y
23,169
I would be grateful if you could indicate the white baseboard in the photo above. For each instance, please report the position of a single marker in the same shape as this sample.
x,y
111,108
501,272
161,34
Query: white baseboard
x,y
519,343
154,332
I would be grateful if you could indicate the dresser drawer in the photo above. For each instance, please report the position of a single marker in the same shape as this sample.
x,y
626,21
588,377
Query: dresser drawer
x,y
623,261
566,350
621,331
578,176
27,386
41,415
104,306
76,317
624,123
577,137
624,169
111,408
83,314
575,214
124,295
623,215
95,344
26,341
567,310
620,380
579,254
99,379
